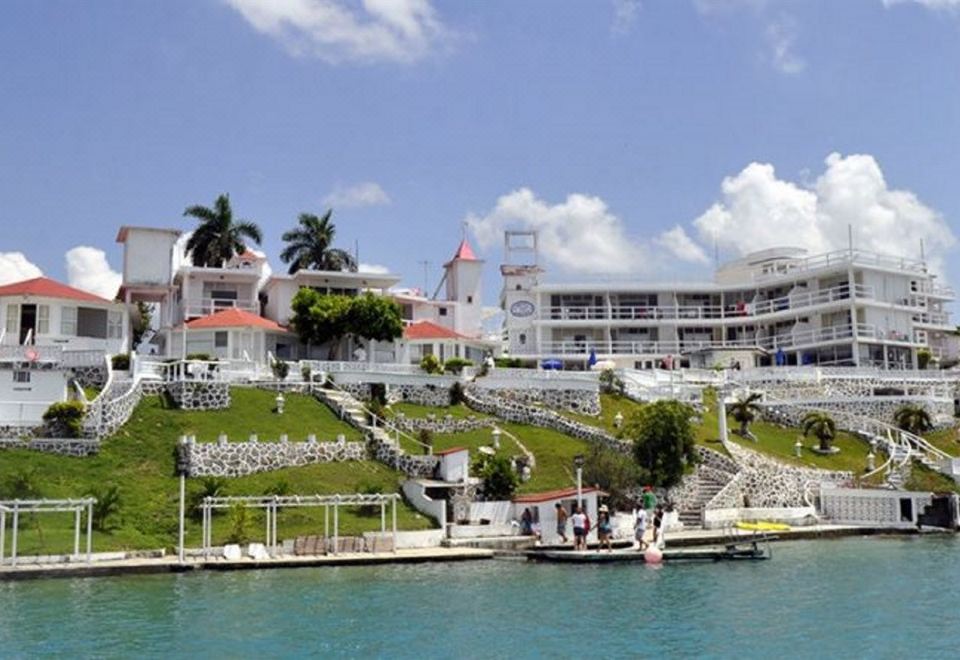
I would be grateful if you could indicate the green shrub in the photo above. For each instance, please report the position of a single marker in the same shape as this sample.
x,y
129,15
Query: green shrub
x,y
511,363
64,419
239,523
280,369
455,365
924,357
431,364
499,479
456,394
378,393
425,436
209,487
107,505
306,372
120,361
24,484
376,409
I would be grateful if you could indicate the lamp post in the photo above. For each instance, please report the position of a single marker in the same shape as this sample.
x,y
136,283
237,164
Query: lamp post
x,y
496,437
871,461
280,401
578,461
798,447
618,420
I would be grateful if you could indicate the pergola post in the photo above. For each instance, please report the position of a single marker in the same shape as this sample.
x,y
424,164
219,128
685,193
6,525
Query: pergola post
x,y
274,528
326,523
383,516
89,531
181,529
3,532
76,533
336,526
16,524
395,498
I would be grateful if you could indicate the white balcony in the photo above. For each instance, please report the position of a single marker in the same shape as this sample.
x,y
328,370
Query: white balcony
x,y
197,307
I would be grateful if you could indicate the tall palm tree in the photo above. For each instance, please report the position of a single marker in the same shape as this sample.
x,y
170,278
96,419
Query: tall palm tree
x,y
821,426
745,410
219,237
308,245
913,419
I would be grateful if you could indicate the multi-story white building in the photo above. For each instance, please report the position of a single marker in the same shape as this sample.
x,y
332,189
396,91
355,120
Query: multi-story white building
x,y
776,306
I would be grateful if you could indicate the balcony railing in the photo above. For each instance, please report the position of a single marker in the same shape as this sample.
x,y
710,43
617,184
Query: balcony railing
x,y
30,353
838,258
698,312
197,307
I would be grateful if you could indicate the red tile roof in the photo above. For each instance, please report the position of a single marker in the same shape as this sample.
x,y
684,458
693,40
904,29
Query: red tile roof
x,y
562,494
452,450
429,330
465,252
47,288
234,318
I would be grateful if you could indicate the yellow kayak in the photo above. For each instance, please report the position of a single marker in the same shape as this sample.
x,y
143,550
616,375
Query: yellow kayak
x,y
763,526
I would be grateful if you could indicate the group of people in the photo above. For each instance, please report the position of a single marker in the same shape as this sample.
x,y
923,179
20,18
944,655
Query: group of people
x,y
648,512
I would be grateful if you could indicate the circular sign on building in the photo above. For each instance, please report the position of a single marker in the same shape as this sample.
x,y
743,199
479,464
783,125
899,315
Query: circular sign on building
x,y
522,308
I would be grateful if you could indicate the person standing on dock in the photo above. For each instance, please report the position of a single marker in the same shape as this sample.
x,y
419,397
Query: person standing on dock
x,y
640,528
649,499
561,522
579,521
658,527
604,529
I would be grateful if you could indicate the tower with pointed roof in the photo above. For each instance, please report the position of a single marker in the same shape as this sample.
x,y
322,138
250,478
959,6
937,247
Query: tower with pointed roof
x,y
464,277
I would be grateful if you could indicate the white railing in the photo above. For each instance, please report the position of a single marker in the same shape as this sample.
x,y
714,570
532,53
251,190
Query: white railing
x,y
28,353
88,358
838,258
317,366
195,307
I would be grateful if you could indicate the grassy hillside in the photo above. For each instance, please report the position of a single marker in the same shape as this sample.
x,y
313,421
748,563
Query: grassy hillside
x,y
139,459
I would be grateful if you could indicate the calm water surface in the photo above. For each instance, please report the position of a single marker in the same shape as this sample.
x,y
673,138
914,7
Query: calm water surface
x,y
887,598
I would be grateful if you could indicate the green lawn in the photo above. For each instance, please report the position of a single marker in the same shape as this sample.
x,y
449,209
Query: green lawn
x,y
947,440
923,478
252,411
139,459
417,411
610,405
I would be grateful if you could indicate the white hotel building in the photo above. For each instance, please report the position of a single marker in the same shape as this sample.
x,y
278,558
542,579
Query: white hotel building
x,y
779,305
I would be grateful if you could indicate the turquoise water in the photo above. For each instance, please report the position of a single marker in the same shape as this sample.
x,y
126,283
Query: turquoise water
x,y
854,598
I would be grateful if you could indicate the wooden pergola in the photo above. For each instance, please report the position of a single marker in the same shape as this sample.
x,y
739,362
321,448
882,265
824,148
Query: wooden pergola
x,y
271,504
18,507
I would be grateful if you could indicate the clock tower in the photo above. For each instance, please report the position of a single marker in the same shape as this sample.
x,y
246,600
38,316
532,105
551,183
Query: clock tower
x,y
519,297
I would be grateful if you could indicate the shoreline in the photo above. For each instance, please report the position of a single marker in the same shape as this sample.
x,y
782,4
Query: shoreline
x,y
170,564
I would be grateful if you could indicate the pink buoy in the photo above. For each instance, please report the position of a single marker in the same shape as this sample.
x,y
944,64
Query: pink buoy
x,y
652,555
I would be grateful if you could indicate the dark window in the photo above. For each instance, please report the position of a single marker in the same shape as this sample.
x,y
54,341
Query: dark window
x,y
523,338
220,339
21,376
469,299
443,311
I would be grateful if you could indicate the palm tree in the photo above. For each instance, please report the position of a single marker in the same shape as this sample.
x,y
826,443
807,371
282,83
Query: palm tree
x,y
913,419
821,426
309,245
219,237
745,410
107,504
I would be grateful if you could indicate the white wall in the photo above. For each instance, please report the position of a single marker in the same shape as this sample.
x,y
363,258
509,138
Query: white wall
x,y
25,403
148,257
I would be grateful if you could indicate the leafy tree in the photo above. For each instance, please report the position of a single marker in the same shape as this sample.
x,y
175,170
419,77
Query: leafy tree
x,y
499,479
616,473
141,323
745,410
308,246
280,369
663,440
319,318
209,487
924,357
219,237
374,317
611,384
821,426
108,504
913,419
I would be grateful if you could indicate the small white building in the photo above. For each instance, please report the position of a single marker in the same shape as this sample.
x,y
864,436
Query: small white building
x,y
232,334
543,507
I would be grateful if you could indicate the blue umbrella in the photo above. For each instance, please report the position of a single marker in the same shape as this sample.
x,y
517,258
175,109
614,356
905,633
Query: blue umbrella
x,y
781,357
592,360
552,364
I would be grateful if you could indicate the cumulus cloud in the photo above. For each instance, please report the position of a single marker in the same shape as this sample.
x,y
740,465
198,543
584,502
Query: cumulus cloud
x,y
624,15
678,243
374,269
580,234
336,31
14,267
759,210
929,4
781,36
368,193
88,269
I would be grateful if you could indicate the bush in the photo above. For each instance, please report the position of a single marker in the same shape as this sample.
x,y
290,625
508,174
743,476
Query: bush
x,y
924,356
455,365
616,473
239,523
107,505
425,436
120,361
209,487
378,393
306,372
376,409
456,394
431,364
24,484
508,363
611,384
64,419
499,479
280,369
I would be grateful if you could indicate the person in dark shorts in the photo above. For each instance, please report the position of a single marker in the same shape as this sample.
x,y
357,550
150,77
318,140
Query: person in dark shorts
x,y
561,522
579,521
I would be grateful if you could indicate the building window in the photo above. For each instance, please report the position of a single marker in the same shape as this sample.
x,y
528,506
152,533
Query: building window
x,y
13,319
523,339
21,376
68,321
43,319
114,325
442,311
469,300
220,339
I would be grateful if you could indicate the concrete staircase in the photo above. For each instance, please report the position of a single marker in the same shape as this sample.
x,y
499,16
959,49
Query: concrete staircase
x,y
707,488
353,412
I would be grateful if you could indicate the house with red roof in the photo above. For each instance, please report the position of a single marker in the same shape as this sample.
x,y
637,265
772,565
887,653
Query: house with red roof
x,y
229,334
44,312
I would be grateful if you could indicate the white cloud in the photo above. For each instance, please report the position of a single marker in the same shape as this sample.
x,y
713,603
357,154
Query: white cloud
x,y
759,210
367,193
624,15
87,269
374,269
678,243
579,235
336,31
781,35
929,4
15,267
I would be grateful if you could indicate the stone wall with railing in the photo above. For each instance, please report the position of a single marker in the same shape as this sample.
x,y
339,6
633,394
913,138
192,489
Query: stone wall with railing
x,y
883,409
199,395
76,447
112,408
236,459
445,424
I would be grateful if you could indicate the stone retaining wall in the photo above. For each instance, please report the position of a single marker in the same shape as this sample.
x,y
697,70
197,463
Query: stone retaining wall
x,y
585,402
62,447
91,376
446,424
879,408
236,459
433,396
200,395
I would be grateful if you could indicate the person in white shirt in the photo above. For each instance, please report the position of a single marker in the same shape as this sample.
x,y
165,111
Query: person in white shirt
x,y
640,528
579,521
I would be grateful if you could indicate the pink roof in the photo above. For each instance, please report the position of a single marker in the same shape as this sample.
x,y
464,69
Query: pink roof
x,y
465,252
234,318
429,330
46,288
452,450
562,494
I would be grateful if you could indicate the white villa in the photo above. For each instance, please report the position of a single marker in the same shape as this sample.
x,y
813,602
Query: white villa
x,y
777,306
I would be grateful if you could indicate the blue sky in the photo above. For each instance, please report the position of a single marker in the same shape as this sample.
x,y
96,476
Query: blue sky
x,y
633,135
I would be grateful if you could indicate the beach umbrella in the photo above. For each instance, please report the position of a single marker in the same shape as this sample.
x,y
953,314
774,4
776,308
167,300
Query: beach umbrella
x,y
592,360
552,364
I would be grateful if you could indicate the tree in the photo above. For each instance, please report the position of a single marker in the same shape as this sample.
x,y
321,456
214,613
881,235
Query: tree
x,y
821,426
616,473
308,246
498,476
913,419
610,383
141,323
924,357
663,441
374,317
745,410
107,504
320,318
219,237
